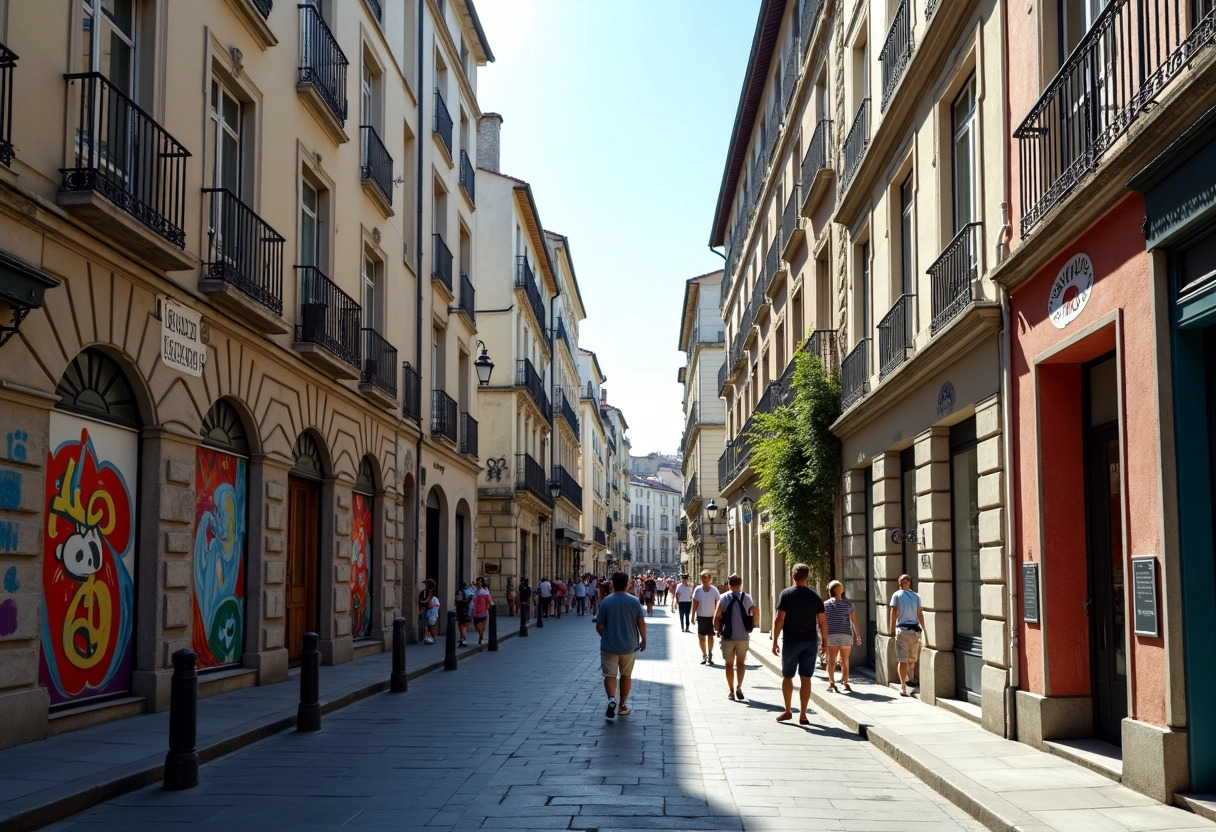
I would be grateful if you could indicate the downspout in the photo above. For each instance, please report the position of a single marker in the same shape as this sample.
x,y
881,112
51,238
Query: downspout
x,y
715,251
552,404
418,311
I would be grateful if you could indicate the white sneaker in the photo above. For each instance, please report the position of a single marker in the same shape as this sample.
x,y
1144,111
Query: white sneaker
x,y
610,711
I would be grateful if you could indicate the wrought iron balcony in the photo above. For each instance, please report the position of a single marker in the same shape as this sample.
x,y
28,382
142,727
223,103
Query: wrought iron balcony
x,y
377,165
1129,56
411,393
530,476
789,78
444,416
564,335
817,157
953,274
377,12
791,227
468,177
468,435
682,531
441,261
8,68
379,362
823,344
692,420
322,62
467,297
691,494
568,486
855,143
527,378
443,122
569,414
524,279
329,317
243,250
722,377
121,153
598,536
896,331
264,7
896,51
930,8
855,374
808,14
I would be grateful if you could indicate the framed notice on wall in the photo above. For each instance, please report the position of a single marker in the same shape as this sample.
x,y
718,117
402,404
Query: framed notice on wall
x,y
1144,596
1030,593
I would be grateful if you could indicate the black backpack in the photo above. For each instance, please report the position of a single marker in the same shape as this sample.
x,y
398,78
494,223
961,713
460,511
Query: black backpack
x,y
749,620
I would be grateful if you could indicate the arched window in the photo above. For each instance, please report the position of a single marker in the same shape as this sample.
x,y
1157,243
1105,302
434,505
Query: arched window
x,y
94,384
307,456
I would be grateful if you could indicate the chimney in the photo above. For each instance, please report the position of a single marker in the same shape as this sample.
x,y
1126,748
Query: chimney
x,y
489,126
603,397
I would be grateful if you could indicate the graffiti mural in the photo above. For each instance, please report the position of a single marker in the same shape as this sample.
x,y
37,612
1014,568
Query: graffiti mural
x,y
88,562
360,554
218,630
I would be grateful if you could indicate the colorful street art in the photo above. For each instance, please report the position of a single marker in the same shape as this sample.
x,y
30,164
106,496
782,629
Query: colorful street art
x,y
218,630
88,563
360,554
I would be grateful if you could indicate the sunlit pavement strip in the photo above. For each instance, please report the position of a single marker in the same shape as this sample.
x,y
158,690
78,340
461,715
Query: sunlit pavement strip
x,y
518,740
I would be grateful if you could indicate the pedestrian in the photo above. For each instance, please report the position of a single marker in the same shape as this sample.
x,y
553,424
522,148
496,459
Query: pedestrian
x,y
649,589
546,596
682,596
559,594
431,616
511,607
525,598
622,631
800,613
734,620
704,605
424,596
580,596
842,630
907,621
462,613
482,601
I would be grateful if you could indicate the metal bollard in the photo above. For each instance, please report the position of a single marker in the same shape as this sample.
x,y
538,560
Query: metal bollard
x,y
308,715
523,621
493,648
540,606
181,763
397,683
449,655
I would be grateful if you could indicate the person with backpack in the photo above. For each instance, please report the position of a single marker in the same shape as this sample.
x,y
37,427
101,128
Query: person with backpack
x,y
734,620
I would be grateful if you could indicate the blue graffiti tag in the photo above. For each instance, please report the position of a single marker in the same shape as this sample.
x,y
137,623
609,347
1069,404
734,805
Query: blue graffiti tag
x,y
11,584
10,490
8,537
16,445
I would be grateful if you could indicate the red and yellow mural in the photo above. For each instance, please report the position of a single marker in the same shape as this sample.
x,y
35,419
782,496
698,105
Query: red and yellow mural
x,y
218,629
360,554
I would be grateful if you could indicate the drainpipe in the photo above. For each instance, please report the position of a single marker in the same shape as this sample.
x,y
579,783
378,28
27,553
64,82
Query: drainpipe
x,y
715,251
552,403
418,312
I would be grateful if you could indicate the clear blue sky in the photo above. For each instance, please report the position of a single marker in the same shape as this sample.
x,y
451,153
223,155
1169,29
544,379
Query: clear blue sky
x,y
618,112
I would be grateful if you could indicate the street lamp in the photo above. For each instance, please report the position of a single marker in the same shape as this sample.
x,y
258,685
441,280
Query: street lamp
x,y
712,511
540,559
483,365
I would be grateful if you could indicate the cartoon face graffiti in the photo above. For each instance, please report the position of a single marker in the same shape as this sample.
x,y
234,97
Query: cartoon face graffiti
x,y
80,554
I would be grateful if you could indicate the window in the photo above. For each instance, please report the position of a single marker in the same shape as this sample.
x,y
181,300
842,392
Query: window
x,y
313,225
863,288
368,95
907,278
962,117
108,44
371,293
663,525
226,138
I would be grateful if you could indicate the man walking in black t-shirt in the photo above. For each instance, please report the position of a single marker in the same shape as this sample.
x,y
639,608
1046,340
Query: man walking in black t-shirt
x,y
800,613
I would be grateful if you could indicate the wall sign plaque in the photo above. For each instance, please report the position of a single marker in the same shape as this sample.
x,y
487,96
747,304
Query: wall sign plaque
x,y
1070,291
1144,596
1030,593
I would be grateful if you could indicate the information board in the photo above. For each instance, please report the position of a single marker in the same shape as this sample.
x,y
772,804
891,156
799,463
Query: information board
x,y
1144,596
1030,593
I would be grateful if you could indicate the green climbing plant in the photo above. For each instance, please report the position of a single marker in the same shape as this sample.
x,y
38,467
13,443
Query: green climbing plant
x,y
797,462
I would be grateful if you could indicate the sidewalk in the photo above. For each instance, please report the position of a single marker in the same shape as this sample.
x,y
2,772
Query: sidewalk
x,y
42,782
1006,785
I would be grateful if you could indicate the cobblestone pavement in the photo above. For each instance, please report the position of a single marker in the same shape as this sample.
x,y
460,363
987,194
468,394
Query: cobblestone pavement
x,y
518,740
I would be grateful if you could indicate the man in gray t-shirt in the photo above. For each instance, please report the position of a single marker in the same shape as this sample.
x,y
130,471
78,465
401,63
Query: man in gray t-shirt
x,y
907,622
622,630
728,622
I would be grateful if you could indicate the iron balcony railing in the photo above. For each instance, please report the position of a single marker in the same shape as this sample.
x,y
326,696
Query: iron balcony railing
x,y
736,347
441,261
1128,57
411,393
598,536
530,476
690,491
564,335
823,344
527,378
855,374
952,275
468,296
930,8
789,217
264,7
468,435
329,317
722,377
808,14
817,157
8,68
608,525
377,12
243,251
569,414
444,416
322,62
377,165
443,122
692,420
735,458
895,335
524,279
855,143
790,77
568,486
896,51
379,362
468,176
123,154
774,133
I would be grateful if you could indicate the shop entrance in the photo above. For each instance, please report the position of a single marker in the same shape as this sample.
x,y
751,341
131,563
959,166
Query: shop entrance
x,y
303,539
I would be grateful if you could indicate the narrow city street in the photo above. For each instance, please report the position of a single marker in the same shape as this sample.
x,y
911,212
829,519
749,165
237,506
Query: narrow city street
x,y
518,740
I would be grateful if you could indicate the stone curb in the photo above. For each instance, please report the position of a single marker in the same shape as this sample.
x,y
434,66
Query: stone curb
x,y
57,803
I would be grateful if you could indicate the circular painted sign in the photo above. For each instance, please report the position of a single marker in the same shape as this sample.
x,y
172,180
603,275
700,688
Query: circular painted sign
x,y
1070,291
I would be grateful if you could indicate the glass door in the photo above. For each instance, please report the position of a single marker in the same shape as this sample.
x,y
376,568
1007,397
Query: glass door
x,y
965,535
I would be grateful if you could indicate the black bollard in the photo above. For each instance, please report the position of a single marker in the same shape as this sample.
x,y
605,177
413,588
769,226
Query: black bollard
x,y
181,763
557,602
540,605
449,654
397,683
308,715
523,621
493,648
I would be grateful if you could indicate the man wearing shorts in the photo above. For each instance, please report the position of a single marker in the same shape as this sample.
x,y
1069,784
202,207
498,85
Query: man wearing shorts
x,y
704,605
682,596
728,621
649,589
800,613
907,622
622,630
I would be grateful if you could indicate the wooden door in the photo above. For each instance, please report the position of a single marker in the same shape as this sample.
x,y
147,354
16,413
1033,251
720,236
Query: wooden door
x,y
303,508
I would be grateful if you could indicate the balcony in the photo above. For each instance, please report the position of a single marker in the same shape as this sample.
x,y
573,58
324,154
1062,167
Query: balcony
x,y
527,378
822,343
441,262
322,77
8,68
792,229
1128,57
443,124
264,7
952,276
379,377
374,7
376,171
808,15
468,435
774,275
244,268
734,459
855,144
467,297
411,393
896,52
789,78
444,412
564,336
597,534
530,477
930,8
569,489
525,280
126,176
896,331
855,374
330,325
468,178
722,377
692,496
568,413
817,167
692,421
